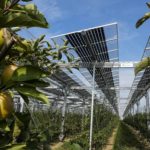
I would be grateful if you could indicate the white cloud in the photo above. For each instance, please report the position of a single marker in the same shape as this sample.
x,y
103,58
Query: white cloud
x,y
50,8
53,10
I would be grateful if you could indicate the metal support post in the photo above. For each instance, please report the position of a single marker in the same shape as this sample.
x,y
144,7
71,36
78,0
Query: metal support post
x,y
92,109
137,104
104,100
21,104
83,114
147,109
133,110
61,136
130,111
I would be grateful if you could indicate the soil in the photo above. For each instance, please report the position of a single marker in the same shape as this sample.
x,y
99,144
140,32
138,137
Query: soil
x,y
111,141
55,146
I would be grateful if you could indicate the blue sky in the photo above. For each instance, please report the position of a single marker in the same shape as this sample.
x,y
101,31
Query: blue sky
x,y
71,15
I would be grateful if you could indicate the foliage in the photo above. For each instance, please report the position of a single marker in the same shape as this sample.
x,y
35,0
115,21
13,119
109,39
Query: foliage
x,y
139,122
70,146
99,139
45,128
144,18
73,123
142,65
11,15
125,140
34,60
146,62
16,147
102,128
50,119
76,127
17,15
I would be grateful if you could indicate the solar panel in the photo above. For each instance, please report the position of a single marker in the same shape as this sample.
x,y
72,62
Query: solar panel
x,y
141,81
99,44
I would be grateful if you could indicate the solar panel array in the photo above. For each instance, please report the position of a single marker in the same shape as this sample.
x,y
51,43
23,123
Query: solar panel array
x,y
98,44
141,81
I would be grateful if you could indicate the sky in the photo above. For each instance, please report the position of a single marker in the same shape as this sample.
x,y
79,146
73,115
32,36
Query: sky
x,y
73,15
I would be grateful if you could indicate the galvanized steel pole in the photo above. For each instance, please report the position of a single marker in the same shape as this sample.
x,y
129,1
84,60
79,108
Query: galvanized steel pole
x,y
137,104
22,104
83,114
92,109
61,136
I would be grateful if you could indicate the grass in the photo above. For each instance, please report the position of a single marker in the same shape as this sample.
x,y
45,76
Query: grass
x,y
125,140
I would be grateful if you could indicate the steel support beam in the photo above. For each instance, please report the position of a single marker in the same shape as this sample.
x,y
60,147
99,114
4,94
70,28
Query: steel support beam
x,y
135,100
96,88
92,110
115,64
61,136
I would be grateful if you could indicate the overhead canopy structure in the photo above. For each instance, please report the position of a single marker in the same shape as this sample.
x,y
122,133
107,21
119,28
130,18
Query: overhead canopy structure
x,y
93,81
63,80
141,81
99,44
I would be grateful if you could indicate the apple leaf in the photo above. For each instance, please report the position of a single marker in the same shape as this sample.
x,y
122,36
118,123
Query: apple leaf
x,y
32,92
23,16
26,73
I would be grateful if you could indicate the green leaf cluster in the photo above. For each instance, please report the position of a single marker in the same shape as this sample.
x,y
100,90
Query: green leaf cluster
x,y
21,16
144,18
145,63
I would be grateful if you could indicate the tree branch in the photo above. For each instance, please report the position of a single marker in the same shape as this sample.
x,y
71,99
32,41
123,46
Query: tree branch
x,y
10,6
